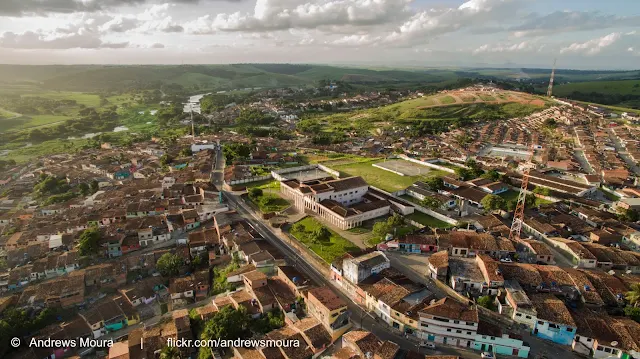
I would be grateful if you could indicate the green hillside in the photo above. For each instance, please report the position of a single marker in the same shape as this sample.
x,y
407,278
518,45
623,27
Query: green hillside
x,y
608,87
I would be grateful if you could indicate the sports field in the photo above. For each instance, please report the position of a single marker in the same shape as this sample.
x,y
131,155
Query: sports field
x,y
405,167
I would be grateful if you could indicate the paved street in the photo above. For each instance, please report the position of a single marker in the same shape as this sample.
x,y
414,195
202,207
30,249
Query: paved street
x,y
623,152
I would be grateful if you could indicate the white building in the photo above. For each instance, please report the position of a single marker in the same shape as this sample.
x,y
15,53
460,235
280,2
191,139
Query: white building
x,y
449,322
342,202
358,269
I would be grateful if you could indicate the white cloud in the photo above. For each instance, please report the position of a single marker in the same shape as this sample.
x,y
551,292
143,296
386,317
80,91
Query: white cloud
x,y
275,15
429,23
33,40
517,47
593,46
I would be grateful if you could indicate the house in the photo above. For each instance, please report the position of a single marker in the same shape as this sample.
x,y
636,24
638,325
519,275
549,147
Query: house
x,y
493,279
554,321
329,309
182,290
516,304
578,253
418,243
491,338
449,322
540,250
358,269
439,264
104,317
465,275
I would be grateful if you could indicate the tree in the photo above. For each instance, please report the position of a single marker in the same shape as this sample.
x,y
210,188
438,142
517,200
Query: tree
x,y
381,229
170,352
255,192
320,235
492,175
543,191
228,323
169,264
632,312
165,160
84,189
627,215
492,202
463,173
435,183
88,241
486,301
395,220
298,227
186,152
431,203
633,296
94,186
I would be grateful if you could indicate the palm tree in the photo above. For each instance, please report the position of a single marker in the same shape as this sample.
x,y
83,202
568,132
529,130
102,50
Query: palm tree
x,y
170,352
633,296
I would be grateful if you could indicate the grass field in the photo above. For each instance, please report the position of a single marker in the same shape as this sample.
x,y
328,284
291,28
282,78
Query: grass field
x,y
377,177
485,97
330,250
275,203
89,100
427,220
608,87
447,100
512,196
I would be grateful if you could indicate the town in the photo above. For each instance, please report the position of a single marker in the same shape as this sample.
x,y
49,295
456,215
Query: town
x,y
510,238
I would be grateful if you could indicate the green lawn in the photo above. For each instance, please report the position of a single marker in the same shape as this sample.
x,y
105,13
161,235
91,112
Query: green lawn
x,y
446,100
330,250
380,178
512,196
268,184
270,202
427,220
484,97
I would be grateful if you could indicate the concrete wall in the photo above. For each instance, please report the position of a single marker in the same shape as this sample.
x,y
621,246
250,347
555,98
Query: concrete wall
x,y
427,164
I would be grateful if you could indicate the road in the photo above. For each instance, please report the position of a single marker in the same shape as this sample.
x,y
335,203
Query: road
x,y
360,316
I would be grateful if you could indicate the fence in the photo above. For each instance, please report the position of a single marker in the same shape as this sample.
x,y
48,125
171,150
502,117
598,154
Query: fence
x,y
329,170
427,164
249,180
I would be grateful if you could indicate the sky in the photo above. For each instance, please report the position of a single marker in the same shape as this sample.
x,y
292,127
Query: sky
x,y
580,34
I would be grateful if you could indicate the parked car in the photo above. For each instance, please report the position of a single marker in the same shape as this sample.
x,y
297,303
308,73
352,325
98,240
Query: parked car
x,y
506,260
428,345
486,355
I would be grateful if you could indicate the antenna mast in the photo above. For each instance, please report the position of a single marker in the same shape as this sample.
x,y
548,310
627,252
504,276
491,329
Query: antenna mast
x,y
553,74
518,215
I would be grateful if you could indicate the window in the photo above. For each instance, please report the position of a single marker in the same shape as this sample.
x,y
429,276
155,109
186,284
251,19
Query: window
x,y
600,348
468,333
424,325
493,338
448,330
459,331
518,315
397,314
607,350
570,330
528,317
456,322
540,322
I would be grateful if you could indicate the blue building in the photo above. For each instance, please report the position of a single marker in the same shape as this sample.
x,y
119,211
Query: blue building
x,y
490,338
554,321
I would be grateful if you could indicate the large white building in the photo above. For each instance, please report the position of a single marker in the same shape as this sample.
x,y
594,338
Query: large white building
x,y
344,202
360,268
449,322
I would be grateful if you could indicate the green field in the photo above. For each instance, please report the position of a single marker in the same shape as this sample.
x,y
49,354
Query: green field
x,y
427,220
330,250
275,203
447,100
485,97
89,100
377,177
607,87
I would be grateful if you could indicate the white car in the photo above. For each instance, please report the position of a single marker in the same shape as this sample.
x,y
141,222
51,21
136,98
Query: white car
x,y
506,260
428,345
486,355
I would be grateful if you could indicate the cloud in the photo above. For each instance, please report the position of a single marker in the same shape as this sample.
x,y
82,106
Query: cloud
x,y
433,22
157,46
33,40
593,46
517,47
275,15
43,7
566,21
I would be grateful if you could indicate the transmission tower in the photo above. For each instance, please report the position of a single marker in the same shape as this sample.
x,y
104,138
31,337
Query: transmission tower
x,y
553,74
518,215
